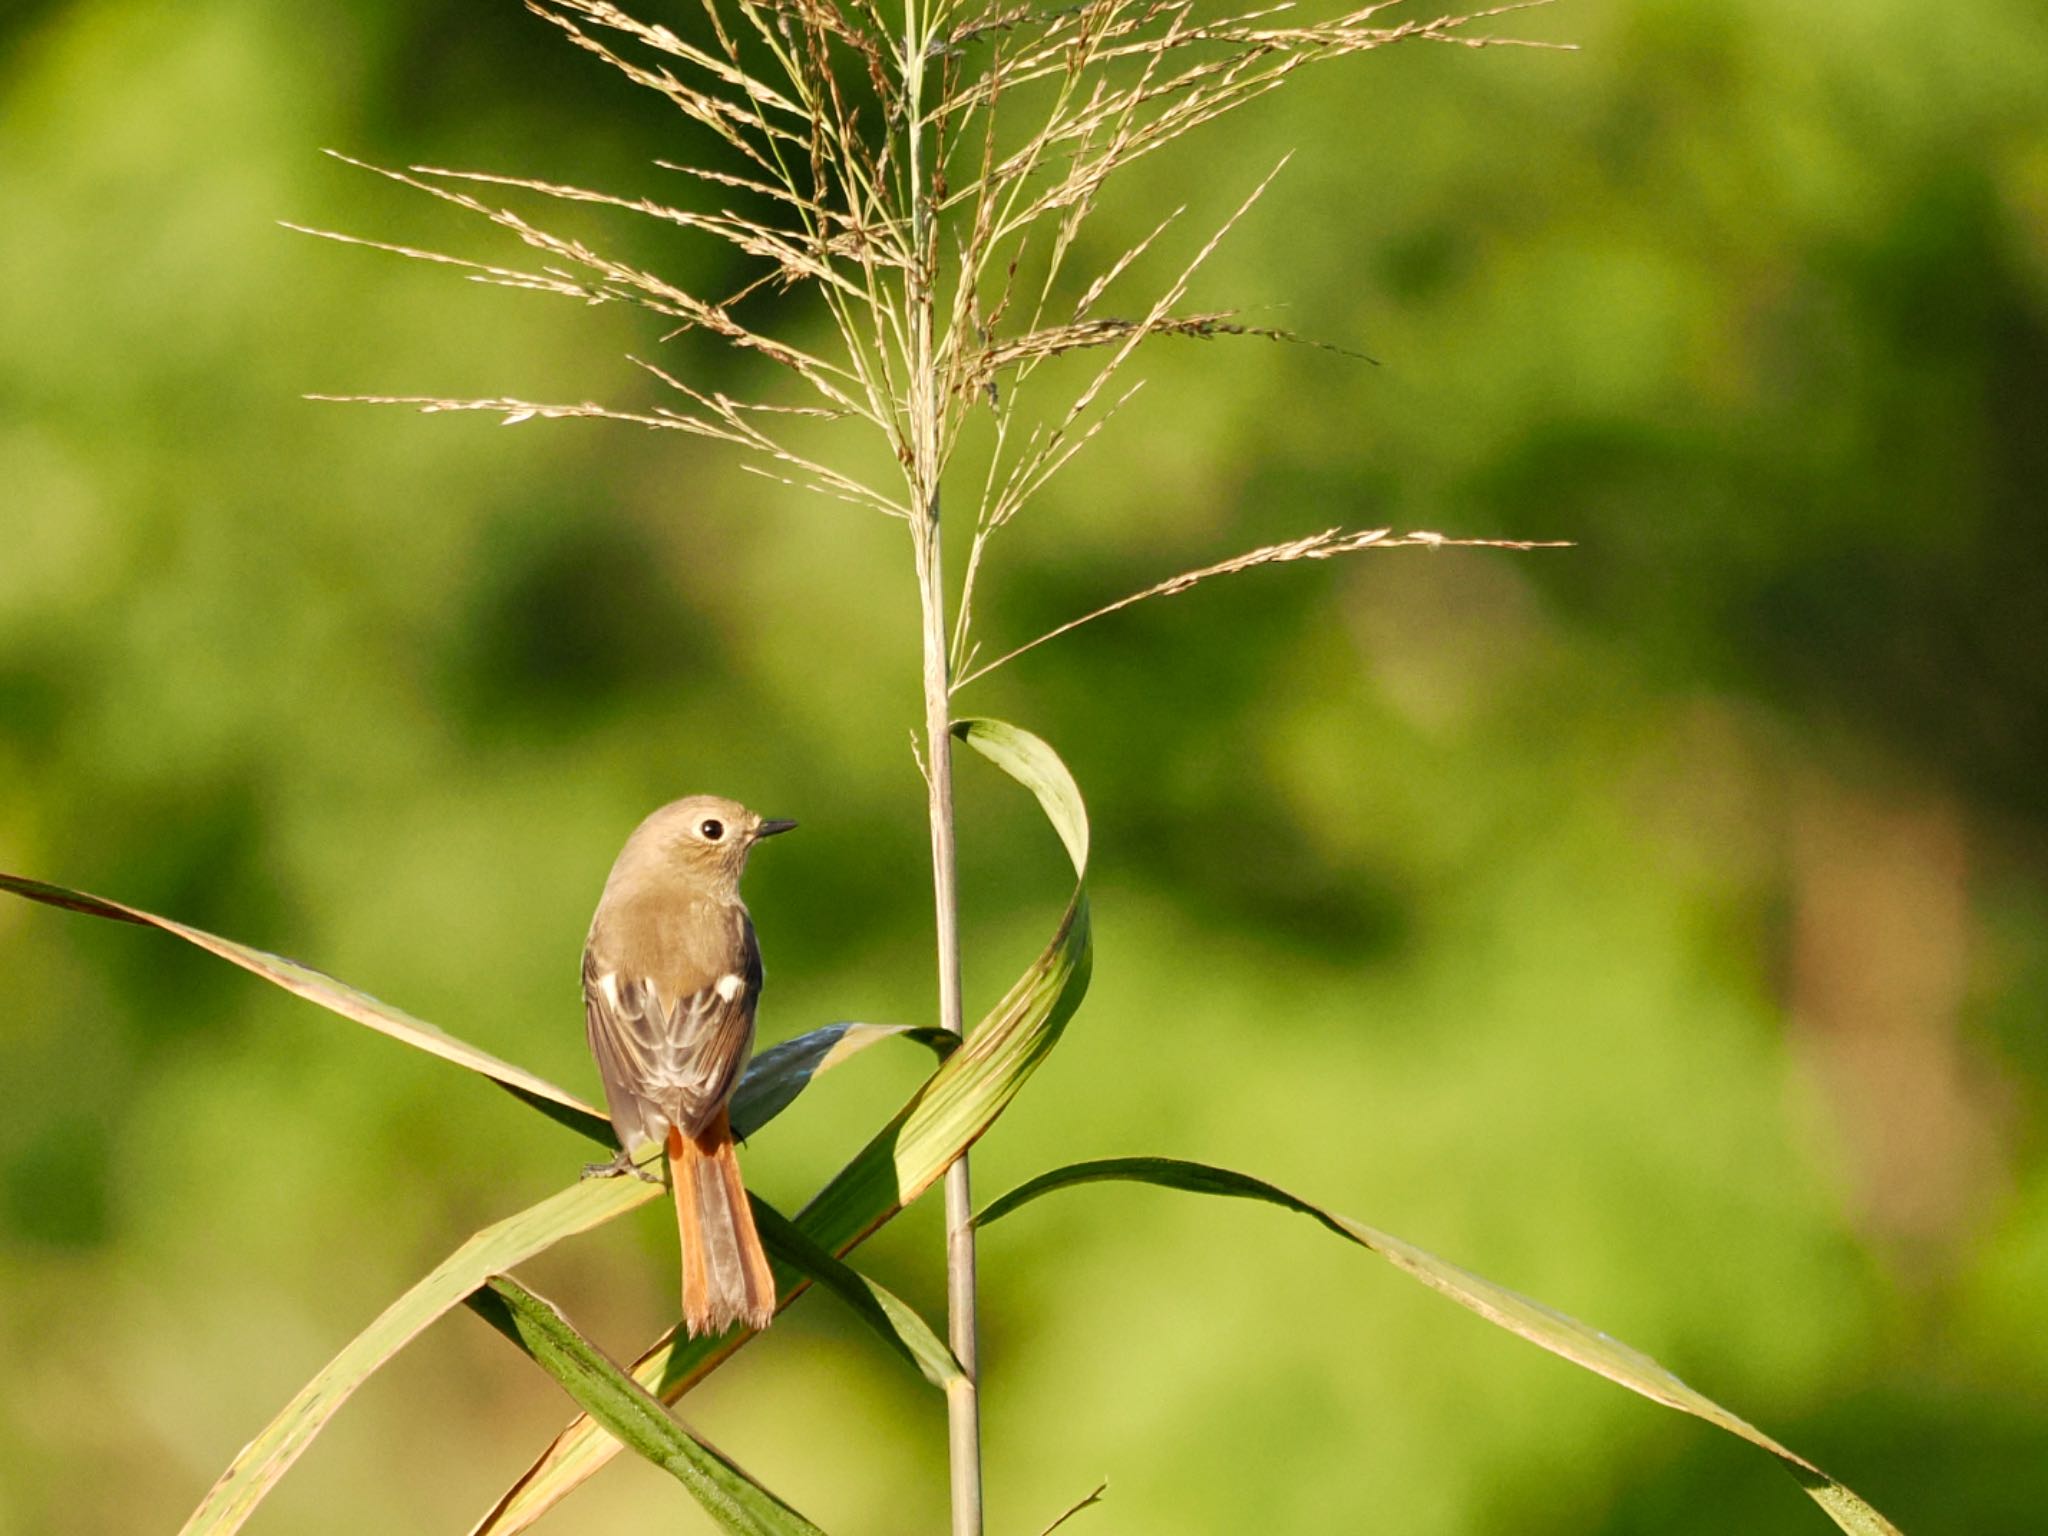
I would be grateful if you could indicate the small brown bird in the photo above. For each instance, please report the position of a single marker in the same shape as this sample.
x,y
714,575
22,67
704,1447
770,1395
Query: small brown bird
x,y
671,977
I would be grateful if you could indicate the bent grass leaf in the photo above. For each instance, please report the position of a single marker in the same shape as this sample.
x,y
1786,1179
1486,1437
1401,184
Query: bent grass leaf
x,y
338,997
891,1317
945,1117
623,1406
773,1080
1532,1320
777,1075
785,1070
252,1474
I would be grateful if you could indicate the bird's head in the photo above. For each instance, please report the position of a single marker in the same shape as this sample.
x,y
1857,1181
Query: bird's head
x,y
703,840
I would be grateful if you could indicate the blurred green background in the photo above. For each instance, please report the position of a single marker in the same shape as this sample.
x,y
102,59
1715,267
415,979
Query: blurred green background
x,y
1659,927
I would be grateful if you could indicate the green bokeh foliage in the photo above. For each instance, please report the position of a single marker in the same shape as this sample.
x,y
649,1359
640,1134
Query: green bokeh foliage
x,y
1474,894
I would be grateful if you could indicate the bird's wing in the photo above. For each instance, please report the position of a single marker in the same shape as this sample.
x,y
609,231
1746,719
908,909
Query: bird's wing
x,y
675,1064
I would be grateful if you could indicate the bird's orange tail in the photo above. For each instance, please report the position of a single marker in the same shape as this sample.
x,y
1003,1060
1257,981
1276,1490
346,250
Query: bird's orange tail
x,y
726,1278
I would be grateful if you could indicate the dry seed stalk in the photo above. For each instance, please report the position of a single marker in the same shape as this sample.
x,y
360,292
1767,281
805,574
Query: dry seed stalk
x,y
1036,109
1326,545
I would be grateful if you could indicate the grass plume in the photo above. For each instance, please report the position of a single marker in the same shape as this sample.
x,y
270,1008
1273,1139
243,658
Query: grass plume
x,y
927,177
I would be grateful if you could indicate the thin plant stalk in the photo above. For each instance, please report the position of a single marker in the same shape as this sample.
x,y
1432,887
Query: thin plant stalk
x,y
963,1406
962,1402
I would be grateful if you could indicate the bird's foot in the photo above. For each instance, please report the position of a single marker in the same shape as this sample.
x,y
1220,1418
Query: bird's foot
x,y
621,1164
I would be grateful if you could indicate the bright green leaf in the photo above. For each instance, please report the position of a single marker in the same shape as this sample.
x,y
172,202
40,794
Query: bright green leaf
x,y
339,997
777,1075
774,1078
959,1102
1540,1325
632,1414
788,1068
873,1303
265,1459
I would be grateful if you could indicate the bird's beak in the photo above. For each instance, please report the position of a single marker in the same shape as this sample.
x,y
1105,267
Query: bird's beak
x,y
770,828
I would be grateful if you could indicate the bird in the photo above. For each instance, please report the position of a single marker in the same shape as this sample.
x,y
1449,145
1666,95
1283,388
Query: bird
x,y
671,980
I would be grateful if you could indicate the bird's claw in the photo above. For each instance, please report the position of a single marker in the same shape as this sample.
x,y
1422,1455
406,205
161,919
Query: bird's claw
x,y
621,1164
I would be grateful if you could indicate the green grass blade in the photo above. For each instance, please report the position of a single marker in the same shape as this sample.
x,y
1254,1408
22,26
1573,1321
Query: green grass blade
x,y
774,1078
959,1102
264,1460
1540,1325
777,1075
1027,759
338,997
632,1414
787,1069
893,1318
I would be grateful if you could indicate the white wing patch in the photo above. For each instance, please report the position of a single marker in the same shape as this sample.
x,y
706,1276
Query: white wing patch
x,y
671,1062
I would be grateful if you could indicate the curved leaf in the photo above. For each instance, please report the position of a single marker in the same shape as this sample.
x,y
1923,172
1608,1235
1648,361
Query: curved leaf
x,y
773,1079
338,997
777,1075
264,1460
630,1412
1532,1320
894,1319
786,1070
959,1102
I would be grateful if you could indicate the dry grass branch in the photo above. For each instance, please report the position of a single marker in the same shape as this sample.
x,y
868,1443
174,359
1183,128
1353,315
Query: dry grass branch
x,y
1048,452
793,264
1085,1501
814,99
1327,545
721,419
481,272
624,281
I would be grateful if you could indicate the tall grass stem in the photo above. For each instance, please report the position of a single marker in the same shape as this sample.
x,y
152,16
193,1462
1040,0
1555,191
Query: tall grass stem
x,y
926,399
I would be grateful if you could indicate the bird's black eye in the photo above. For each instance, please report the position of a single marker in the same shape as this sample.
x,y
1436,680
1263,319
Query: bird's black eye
x,y
713,830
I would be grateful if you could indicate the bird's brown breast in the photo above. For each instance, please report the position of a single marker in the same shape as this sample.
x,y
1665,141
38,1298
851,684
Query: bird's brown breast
x,y
680,944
